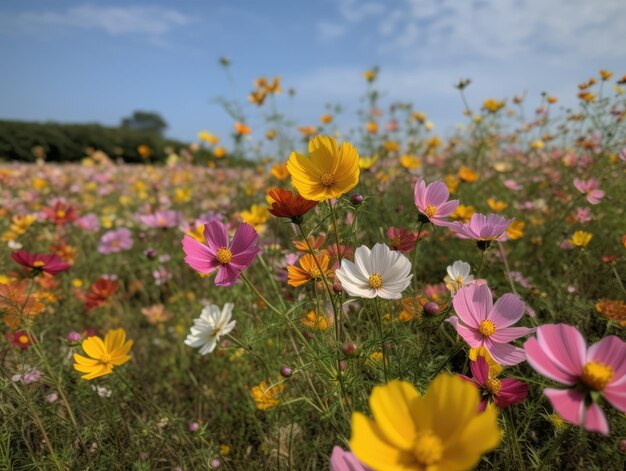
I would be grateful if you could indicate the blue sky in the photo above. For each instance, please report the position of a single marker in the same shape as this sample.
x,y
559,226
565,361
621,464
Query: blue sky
x,y
76,61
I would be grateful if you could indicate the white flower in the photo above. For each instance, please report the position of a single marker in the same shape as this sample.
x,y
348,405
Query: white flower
x,y
383,273
458,276
210,326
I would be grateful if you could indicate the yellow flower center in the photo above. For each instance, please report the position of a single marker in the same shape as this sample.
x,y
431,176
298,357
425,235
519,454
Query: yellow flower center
x,y
224,255
327,179
23,339
428,448
105,359
375,280
60,213
459,279
487,328
493,385
38,263
597,375
315,272
430,211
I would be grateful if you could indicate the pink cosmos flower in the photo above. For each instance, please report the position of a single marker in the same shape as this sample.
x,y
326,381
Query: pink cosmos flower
x,y
342,460
229,258
432,202
559,352
161,219
49,263
503,392
483,228
512,185
484,324
115,241
88,222
591,188
401,239
583,215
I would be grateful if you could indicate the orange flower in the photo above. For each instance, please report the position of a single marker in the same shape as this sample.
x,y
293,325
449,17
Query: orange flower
x,y
286,204
326,118
242,129
307,131
308,269
467,174
371,127
314,242
280,171
257,97
18,303
144,151
219,152
316,322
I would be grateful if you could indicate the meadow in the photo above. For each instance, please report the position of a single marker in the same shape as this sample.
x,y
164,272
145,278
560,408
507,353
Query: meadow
x,y
368,269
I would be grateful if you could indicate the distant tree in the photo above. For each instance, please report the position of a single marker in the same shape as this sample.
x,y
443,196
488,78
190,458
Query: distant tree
x,y
145,121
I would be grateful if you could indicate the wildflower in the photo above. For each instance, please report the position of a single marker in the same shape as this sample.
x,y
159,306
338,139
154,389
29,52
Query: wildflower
x,y
458,276
208,137
492,105
463,212
581,239
48,263
22,340
494,368
103,355
330,171
432,202
466,174
401,240
516,230
18,303
484,324
289,205
73,337
52,397
212,324
144,151
30,376
380,272
483,228
308,269
162,219
613,310
537,144
559,352
88,222
365,163
496,205
452,183
341,460
266,396
100,292
503,392
257,216
229,258
606,74
115,241
410,162
316,322
279,171
435,431
219,152
156,314
326,118
590,188
60,213
370,74
242,129
314,242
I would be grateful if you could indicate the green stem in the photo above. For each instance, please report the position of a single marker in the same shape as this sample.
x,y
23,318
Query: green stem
x,y
382,338
419,232
555,446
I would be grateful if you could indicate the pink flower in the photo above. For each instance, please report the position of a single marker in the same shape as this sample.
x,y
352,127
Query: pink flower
x,y
560,353
229,258
583,215
161,219
483,228
432,202
504,392
484,324
38,262
512,185
402,239
89,222
591,188
342,460
115,241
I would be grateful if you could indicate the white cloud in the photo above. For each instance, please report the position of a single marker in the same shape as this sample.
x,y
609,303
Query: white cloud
x,y
328,30
147,20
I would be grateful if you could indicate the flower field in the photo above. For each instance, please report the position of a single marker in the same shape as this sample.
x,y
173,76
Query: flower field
x,y
381,297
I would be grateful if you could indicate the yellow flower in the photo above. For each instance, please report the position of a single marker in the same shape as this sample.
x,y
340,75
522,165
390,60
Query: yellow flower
x,y
219,152
366,163
270,134
206,136
463,212
606,74
537,144
315,321
326,118
493,105
418,116
581,238
452,182
104,355
467,174
370,75
21,223
256,216
330,171
410,162
279,171
496,205
182,195
441,430
516,229
266,396
391,146
371,127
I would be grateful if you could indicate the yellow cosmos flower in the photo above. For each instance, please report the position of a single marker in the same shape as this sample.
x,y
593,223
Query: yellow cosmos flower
x,y
581,239
266,396
391,146
452,182
371,127
366,163
493,105
104,355
316,321
279,171
206,136
463,212
441,430
467,174
219,152
256,216
410,162
326,118
496,205
516,229
494,368
330,171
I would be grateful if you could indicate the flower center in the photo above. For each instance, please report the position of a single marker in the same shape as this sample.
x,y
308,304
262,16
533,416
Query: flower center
x,y
224,255
395,243
375,281
597,375
23,339
315,273
428,448
459,279
493,385
430,210
327,179
105,359
38,263
60,213
487,328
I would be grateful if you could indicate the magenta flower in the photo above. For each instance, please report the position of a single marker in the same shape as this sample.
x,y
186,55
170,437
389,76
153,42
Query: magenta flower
x,y
559,352
89,222
341,460
503,392
161,219
432,202
51,263
229,258
484,324
591,188
115,241
483,228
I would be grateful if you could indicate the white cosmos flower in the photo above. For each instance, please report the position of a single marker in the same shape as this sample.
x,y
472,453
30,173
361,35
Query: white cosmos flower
x,y
381,272
212,324
458,276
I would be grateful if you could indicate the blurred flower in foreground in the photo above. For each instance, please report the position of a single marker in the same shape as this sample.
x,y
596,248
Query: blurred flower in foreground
x,y
559,352
436,431
212,324
103,355
48,263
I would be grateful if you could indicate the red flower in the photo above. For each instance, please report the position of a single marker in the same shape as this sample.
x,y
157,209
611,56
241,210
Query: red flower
x,y
22,340
39,262
61,213
286,204
101,290
402,240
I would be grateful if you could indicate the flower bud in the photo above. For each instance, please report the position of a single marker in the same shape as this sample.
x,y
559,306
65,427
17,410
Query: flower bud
x,y
286,371
356,199
431,309
343,365
349,348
